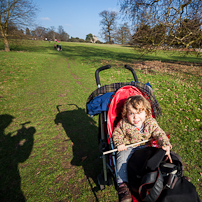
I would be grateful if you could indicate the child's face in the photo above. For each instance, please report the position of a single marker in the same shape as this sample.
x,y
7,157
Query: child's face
x,y
135,116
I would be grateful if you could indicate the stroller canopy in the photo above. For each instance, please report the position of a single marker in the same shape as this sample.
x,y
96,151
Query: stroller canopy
x,y
99,99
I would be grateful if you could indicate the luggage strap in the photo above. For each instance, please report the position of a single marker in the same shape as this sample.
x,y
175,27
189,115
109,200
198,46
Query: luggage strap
x,y
151,186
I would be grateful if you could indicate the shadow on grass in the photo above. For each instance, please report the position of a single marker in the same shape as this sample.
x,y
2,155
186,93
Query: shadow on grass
x,y
88,51
14,149
93,53
97,53
83,134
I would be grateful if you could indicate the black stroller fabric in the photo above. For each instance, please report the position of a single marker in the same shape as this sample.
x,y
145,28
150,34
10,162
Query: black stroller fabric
x,y
152,178
184,191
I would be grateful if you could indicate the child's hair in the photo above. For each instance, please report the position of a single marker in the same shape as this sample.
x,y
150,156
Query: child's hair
x,y
139,103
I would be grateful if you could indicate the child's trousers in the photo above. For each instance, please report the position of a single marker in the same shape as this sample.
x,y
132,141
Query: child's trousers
x,y
121,162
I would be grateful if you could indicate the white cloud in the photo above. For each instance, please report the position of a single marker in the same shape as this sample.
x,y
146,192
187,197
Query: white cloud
x,y
46,19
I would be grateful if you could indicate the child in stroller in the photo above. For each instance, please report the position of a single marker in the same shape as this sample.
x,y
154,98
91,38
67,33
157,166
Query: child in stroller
x,y
136,125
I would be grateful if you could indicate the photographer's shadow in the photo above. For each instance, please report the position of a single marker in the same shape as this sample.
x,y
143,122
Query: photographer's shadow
x,y
82,131
15,148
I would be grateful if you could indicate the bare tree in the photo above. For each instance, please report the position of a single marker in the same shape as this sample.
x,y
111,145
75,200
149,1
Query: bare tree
x,y
123,34
108,24
165,19
18,12
28,33
51,33
40,33
62,35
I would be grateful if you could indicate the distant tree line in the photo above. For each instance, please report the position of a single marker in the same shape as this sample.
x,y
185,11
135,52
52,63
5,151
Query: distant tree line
x,y
39,33
42,33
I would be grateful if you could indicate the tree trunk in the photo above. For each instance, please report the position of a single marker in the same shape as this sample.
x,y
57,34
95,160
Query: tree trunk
x,y
6,44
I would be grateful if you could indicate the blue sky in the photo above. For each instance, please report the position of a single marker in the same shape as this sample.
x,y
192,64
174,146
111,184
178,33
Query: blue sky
x,y
78,17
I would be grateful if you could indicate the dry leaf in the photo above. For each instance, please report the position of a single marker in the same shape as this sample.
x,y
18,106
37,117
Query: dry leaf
x,y
197,120
187,117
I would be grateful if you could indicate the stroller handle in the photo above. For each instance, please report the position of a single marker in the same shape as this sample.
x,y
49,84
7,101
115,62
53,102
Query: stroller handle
x,y
108,67
133,72
97,74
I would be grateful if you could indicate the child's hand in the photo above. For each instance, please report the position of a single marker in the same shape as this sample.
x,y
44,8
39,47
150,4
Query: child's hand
x,y
121,147
167,149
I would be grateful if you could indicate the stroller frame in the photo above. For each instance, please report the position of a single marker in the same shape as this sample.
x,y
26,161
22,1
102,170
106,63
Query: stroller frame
x,y
105,178
107,123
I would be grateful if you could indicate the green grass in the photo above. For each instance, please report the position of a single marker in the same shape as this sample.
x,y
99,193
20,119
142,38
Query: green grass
x,y
49,89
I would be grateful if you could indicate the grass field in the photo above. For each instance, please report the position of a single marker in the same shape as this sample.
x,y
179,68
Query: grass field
x,y
48,144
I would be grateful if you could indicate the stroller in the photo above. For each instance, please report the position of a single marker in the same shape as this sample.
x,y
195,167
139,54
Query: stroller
x,y
107,101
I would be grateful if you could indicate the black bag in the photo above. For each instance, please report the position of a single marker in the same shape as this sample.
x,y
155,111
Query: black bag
x,y
152,178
